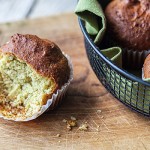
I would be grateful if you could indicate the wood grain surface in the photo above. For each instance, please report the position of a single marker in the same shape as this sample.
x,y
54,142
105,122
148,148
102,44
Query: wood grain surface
x,y
115,127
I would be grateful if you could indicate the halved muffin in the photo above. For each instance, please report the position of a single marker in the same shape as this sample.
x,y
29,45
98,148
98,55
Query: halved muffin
x,y
31,71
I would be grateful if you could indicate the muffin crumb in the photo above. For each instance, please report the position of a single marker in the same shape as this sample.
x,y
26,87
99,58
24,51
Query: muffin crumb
x,y
83,127
58,135
70,123
69,127
64,120
73,118
99,111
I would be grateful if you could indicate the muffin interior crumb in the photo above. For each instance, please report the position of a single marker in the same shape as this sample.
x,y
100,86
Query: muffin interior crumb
x,y
22,90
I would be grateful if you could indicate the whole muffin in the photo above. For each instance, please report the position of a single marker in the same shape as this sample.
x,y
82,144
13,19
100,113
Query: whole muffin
x,y
129,26
31,71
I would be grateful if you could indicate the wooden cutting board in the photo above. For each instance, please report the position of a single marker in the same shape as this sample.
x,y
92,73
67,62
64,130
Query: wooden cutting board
x,y
111,124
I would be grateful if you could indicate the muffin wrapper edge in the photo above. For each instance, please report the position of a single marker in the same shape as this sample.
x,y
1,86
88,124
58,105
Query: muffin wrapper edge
x,y
53,102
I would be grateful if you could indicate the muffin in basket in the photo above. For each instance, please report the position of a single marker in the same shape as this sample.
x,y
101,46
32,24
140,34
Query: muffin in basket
x,y
33,72
146,68
129,27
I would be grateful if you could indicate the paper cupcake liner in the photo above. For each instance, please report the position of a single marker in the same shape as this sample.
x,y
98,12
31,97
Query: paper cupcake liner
x,y
143,77
54,101
133,59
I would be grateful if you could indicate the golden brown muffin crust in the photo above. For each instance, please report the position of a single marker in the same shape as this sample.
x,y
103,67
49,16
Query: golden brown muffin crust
x,y
146,67
129,23
43,56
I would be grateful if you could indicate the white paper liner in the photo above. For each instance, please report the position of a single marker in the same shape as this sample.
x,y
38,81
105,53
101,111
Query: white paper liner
x,y
51,103
143,78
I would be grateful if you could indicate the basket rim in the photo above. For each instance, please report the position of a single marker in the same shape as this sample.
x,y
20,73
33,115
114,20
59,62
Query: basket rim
x,y
108,61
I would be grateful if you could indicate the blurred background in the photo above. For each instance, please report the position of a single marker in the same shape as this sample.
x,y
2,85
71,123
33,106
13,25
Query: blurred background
x,y
13,10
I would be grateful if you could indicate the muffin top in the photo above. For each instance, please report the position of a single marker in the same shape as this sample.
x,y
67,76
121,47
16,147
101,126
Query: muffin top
x,y
42,55
128,23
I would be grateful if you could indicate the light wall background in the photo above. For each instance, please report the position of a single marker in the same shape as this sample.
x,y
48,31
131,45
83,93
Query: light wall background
x,y
13,10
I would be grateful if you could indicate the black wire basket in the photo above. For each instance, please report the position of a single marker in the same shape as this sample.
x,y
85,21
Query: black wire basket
x,y
129,89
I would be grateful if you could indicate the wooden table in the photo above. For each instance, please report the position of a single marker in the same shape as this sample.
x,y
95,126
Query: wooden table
x,y
112,125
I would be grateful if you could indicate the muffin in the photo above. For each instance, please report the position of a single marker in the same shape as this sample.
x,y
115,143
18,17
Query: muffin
x,y
146,68
31,71
129,27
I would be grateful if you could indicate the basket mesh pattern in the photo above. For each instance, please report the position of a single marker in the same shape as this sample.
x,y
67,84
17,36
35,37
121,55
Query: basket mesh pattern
x,y
134,94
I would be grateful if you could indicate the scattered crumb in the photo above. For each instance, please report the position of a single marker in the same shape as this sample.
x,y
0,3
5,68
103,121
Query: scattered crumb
x,y
64,120
73,118
99,111
83,127
69,127
58,135
97,129
72,123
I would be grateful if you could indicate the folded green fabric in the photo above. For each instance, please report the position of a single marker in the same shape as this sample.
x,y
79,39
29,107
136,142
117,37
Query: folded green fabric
x,y
114,54
92,13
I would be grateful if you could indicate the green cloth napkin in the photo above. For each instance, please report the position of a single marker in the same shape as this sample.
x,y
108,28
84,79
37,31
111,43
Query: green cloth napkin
x,y
92,13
